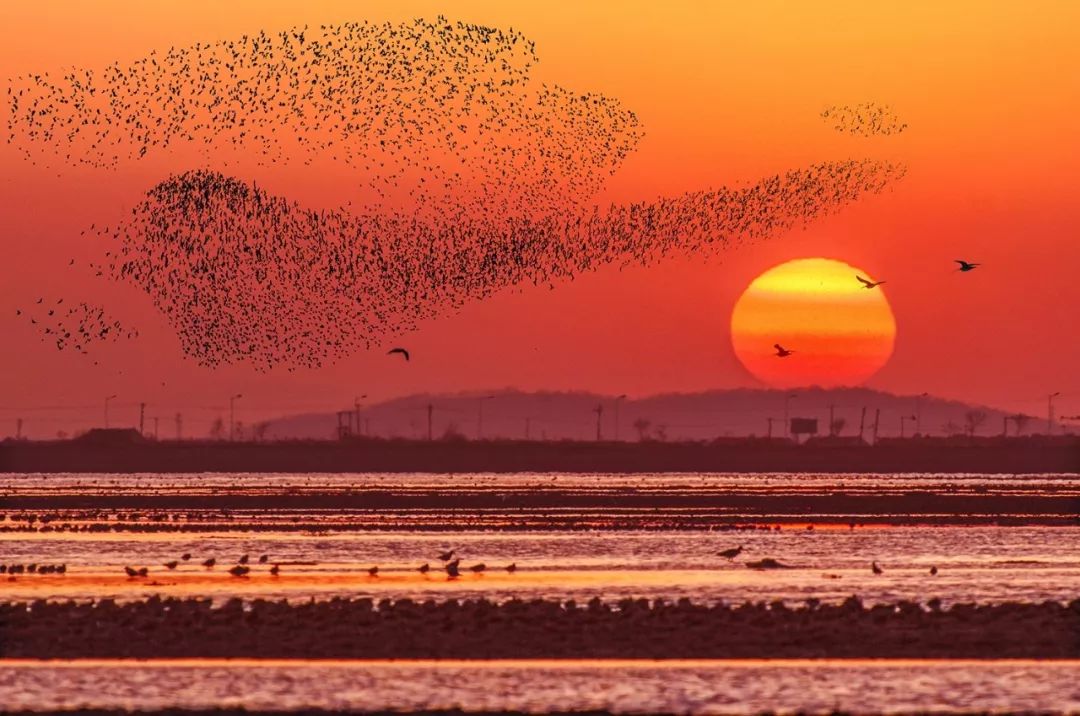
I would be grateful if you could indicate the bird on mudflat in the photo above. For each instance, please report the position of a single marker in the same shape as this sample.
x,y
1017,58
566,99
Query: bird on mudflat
x,y
876,569
868,284
402,351
512,567
731,553
965,265
185,556
274,570
933,571
446,556
452,568
243,559
239,570
373,571
424,568
478,568
209,563
781,352
263,558
172,564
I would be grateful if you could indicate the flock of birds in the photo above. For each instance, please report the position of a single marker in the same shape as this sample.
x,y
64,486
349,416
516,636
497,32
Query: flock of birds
x,y
242,275
450,564
444,112
473,178
77,327
867,119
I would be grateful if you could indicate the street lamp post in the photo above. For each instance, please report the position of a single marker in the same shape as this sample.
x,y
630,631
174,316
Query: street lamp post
x,y
903,421
918,412
107,399
232,416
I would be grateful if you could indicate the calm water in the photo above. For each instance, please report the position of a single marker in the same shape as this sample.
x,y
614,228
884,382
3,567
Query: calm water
x,y
326,553
701,687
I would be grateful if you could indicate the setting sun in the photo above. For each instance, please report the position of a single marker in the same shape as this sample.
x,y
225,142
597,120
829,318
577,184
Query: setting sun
x,y
839,331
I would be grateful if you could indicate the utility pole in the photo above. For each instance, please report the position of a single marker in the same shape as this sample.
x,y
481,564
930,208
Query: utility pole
x,y
1050,412
142,418
599,410
877,423
1005,426
904,419
155,427
480,416
430,412
232,416
618,400
107,399
832,421
18,428
862,422
179,426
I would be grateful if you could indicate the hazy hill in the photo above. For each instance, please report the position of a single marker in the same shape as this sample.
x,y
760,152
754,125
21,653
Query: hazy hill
x,y
704,415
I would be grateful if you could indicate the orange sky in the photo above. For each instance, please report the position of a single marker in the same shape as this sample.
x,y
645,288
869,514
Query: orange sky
x,y
727,92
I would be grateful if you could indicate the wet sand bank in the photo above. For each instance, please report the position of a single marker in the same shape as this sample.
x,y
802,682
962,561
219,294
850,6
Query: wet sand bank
x,y
363,629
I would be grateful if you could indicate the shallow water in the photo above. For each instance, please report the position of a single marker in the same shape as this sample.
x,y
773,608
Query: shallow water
x,y
702,687
324,553
975,563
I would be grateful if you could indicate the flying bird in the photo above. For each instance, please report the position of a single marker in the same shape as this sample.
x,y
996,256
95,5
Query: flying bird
x,y
965,266
868,284
402,351
781,352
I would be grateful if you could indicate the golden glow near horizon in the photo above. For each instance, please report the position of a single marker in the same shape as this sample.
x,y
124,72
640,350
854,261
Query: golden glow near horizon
x,y
840,331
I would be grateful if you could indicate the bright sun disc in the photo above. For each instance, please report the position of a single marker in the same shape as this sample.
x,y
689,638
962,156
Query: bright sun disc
x,y
840,332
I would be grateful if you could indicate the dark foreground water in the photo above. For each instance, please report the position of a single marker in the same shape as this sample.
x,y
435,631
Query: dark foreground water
x,y
701,687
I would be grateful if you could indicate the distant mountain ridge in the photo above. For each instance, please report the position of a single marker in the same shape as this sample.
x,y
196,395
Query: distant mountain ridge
x,y
705,415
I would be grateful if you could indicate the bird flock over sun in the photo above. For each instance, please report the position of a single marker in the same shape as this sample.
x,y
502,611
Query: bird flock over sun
x,y
471,178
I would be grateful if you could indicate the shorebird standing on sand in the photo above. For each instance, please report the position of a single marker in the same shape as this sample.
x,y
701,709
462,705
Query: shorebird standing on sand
x,y
731,553
876,569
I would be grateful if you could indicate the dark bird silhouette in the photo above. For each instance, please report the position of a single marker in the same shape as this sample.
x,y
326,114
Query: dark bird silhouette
x,y
243,559
172,564
239,570
373,571
263,558
402,351
868,284
275,570
965,266
782,352
185,556
933,571
512,567
876,569
131,572
452,568
731,553
423,568
446,556
209,563
478,568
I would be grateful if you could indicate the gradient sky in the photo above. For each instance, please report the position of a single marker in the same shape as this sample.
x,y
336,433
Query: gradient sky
x,y
727,93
